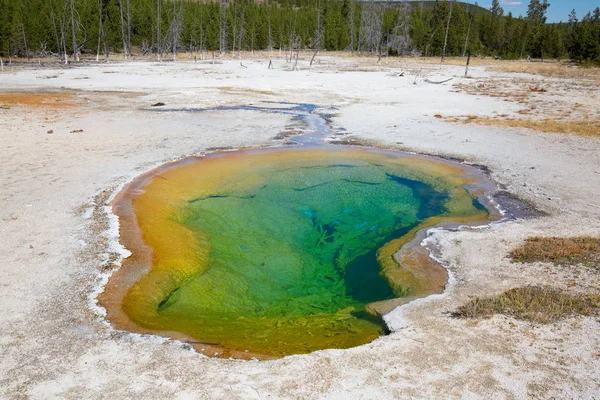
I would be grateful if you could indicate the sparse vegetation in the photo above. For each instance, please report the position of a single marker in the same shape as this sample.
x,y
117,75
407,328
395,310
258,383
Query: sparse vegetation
x,y
535,304
565,251
549,69
544,108
589,127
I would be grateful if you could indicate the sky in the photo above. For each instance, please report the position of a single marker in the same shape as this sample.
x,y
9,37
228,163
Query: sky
x,y
558,11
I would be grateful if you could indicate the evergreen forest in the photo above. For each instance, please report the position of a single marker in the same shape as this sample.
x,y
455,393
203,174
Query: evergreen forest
x,y
71,28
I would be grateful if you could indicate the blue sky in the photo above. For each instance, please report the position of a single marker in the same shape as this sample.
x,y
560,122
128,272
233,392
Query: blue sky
x,y
558,11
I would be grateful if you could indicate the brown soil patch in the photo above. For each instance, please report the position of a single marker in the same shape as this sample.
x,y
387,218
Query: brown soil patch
x,y
48,100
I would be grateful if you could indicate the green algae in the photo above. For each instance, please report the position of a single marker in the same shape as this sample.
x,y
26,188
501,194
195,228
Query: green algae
x,y
286,250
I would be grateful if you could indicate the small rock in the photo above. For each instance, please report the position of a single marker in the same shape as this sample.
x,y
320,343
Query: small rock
x,y
159,104
77,131
50,131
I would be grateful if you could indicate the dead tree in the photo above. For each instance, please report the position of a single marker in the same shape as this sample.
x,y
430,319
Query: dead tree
x,y
399,39
101,34
292,34
129,26
241,31
447,30
406,27
222,26
53,18
297,45
252,36
467,37
269,34
63,31
467,67
123,36
234,41
74,31
352,26
175,28
25,41
201,44
371,28
158,29
22,19
318,35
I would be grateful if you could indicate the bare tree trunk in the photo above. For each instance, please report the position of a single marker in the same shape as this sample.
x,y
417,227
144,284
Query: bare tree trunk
x,y
241,32
352,27
74,32
371,28
129,27
270,38
192,33
280,41
234,41
318,35
54,26
222,27
252,39
158,29
175,30
292,36
63,31
123,37
313,58
99,29
447,30
201,34
101,34
25,39
299,44
467,38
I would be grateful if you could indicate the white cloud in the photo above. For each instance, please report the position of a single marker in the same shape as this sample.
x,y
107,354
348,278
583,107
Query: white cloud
x,y
511,3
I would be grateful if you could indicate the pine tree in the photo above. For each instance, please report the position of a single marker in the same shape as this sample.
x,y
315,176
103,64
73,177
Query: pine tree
x,y
536,18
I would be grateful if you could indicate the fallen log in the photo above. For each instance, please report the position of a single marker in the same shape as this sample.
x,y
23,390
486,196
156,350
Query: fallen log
x,y
438,83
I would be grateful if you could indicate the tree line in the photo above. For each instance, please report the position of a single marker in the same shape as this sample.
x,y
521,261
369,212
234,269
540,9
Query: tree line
x,y
69,28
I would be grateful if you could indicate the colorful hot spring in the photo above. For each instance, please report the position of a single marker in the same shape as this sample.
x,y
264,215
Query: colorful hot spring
x,y
280,252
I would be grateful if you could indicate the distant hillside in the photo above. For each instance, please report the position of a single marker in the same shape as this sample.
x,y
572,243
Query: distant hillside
x,y
430,3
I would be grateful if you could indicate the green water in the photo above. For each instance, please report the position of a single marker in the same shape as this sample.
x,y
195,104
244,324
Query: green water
x,y
299,247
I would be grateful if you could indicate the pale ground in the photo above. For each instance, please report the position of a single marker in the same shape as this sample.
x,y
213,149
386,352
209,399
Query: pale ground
x,y
56,238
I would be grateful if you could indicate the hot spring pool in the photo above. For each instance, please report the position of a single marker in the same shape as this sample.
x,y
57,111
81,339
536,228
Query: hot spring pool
x,y
275,252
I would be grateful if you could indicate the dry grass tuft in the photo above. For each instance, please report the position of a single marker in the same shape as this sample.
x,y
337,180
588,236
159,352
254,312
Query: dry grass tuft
x,y
535,304
585,127
564,251
549,69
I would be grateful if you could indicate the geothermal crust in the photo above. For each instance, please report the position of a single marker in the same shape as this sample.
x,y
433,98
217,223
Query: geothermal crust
x,y
65,156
